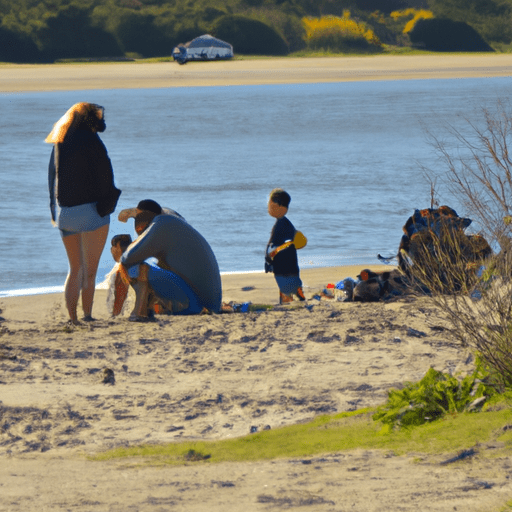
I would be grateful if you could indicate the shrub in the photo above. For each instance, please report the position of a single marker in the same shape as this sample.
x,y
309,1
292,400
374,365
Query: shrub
x,y
446,35
294,32
139,33
288,24
339,33
478,171
414,16
249,36
388,30
477,304
490,18
70,34
385,6
17,47
432,397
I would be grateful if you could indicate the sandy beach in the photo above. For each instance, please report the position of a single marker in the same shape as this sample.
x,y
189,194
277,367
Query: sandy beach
x,y
216,377
222,376
133,75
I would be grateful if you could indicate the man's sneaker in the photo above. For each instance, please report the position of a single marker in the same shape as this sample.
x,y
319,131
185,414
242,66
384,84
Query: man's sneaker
x,y
283,299
300,293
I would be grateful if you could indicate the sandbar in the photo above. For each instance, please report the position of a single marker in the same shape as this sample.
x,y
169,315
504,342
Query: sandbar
x,y
134,75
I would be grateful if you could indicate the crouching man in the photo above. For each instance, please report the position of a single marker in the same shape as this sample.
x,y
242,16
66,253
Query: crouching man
x,y
185,280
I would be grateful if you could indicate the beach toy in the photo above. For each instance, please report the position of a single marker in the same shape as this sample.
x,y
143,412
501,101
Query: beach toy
x,y
299,241
345,283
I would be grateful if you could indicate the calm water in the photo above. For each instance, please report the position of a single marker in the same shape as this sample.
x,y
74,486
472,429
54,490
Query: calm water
x,y
348,153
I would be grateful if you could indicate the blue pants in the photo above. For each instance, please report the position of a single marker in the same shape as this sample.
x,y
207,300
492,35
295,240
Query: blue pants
x,y
170,289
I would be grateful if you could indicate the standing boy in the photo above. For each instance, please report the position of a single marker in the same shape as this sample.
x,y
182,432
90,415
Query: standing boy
x,y
282,261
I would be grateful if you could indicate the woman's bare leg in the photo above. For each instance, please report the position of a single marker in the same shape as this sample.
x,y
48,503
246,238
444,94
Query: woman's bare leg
x,y
92,243
73,246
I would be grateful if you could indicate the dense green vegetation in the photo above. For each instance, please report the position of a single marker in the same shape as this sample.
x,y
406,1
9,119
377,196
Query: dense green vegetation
x,y
434,396
47,30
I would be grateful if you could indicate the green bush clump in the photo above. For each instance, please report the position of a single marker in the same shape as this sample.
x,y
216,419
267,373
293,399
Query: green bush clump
x,y
70,33
249,36
445,35
17,47
432,397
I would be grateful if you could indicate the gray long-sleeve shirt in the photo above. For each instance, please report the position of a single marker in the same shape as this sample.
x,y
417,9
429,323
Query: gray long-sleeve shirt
x,y
183,250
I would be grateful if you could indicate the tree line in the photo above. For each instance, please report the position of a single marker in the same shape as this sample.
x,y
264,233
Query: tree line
x,y
49,30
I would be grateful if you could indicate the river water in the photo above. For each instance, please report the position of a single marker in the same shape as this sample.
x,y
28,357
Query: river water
x,y
349,154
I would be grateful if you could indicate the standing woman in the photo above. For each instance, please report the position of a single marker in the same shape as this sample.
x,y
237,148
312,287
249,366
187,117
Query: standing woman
x,y
82,197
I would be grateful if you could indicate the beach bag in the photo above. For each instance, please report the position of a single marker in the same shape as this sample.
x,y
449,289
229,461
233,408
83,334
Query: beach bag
x,y
431,230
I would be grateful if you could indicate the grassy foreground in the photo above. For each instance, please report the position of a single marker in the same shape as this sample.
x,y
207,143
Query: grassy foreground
x,y
346,431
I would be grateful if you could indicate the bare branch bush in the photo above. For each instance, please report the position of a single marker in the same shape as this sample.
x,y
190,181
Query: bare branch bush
x,y
473,289
478,168
472,292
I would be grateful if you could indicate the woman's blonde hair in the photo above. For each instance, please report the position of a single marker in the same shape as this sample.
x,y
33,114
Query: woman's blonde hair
x,y
79,113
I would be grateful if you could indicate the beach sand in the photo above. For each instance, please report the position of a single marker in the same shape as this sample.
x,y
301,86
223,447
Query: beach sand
x,y
58,77
221,376
217,377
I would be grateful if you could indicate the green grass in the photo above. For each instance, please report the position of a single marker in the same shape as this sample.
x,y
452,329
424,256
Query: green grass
x,y
328,434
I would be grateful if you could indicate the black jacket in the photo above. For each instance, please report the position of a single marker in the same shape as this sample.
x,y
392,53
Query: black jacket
x,y
285,262
82,169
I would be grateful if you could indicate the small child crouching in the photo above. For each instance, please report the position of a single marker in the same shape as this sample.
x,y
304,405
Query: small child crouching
x,y
118,289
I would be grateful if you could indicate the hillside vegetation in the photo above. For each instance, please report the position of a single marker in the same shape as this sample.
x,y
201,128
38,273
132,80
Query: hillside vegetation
x,y
49,30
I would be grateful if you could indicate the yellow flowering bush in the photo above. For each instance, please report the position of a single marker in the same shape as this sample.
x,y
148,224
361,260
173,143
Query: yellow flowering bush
x,y
414,15
338,33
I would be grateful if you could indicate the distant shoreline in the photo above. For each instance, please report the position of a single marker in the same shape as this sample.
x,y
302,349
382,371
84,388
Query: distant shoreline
x,y
18,78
